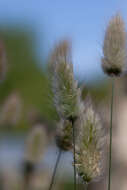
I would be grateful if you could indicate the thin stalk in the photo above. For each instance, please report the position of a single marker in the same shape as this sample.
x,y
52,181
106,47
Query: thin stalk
x,y
55,169
74,154
110,145
86,186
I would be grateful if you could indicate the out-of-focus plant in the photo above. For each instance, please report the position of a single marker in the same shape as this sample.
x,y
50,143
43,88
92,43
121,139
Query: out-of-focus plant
x,y
114,48
114,63
34,149
11,110
24,75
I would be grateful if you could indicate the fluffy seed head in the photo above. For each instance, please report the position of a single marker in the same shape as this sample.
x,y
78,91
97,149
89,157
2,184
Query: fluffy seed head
x,y
90,144
35,144
114,48
64,135
66,92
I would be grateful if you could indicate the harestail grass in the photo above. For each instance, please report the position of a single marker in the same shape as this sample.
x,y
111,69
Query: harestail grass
x,y
114,64
90,146
114,48
66,95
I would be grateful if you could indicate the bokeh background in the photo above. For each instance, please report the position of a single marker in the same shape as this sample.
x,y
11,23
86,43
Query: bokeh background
x,y
29,30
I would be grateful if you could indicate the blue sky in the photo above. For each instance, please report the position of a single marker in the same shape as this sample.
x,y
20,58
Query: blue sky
x,y
82,21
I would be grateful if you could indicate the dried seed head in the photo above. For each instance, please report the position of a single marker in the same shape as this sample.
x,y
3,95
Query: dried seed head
x,y
35,144
90,143
66,93
64,135
114,48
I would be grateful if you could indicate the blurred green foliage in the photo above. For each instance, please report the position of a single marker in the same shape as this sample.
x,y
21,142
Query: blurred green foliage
x,y
98,90
25,75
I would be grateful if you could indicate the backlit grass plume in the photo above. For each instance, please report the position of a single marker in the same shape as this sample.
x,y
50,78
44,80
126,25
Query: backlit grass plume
x,y
90,144
66,92
114,48
64,135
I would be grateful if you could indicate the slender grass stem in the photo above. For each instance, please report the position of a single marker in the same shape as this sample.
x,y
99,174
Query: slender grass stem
x,y
74,154
110,145
55,169
86,186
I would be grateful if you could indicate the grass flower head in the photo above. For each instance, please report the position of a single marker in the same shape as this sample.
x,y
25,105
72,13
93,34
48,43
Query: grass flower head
x,y
114,48
90,144
65,89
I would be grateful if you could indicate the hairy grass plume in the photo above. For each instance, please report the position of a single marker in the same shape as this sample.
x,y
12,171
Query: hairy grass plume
x,y
90,146
114,58
65,88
